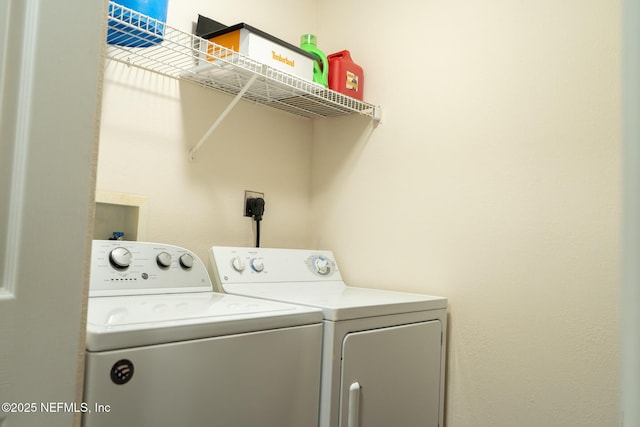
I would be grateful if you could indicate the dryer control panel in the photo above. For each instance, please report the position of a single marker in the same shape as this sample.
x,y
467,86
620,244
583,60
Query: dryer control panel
x,y
270,265
131,268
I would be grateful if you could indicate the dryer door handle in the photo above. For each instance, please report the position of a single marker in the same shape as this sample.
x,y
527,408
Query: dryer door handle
x,y
354,405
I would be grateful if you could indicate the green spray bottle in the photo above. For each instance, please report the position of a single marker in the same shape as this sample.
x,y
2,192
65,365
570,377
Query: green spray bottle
x,y
321,65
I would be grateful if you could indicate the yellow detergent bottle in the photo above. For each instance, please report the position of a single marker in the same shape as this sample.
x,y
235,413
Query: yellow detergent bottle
x,y
320,66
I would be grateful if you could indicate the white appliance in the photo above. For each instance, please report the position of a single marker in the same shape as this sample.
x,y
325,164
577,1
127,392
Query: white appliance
x,y
383,357
163,349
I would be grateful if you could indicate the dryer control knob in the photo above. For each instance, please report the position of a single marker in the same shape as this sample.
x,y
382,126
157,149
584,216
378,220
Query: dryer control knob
x,y
237,264
164,260
322,266
120,258
257,264
186,261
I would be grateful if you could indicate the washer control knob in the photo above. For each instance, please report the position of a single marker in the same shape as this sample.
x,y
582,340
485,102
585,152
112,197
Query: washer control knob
x,y
257,264
120,258
164,260
237,264
186,261
321,266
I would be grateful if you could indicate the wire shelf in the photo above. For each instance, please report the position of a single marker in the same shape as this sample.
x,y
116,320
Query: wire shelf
x,y
149,44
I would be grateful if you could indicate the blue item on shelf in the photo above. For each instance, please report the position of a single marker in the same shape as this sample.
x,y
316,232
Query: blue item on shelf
x,y
136,23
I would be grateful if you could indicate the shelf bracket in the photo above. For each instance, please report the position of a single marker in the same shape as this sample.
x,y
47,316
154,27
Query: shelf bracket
x,y
221,117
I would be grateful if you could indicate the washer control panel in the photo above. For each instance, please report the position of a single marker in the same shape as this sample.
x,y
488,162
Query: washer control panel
x,y
129,268
269,265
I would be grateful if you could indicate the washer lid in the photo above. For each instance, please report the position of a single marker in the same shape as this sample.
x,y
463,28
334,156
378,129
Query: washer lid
x,y
338,301
132,321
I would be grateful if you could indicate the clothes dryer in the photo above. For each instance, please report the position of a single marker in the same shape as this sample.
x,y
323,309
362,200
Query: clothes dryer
x,y
383,356
163,349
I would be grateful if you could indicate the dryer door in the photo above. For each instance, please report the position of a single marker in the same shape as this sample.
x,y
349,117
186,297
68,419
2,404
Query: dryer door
x,y
391,377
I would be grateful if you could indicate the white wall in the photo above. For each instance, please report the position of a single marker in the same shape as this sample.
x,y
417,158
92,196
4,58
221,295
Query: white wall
x,y
630,297
150,123
494,179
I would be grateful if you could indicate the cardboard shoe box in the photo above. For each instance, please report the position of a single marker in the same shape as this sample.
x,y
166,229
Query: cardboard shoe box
x,y
262,47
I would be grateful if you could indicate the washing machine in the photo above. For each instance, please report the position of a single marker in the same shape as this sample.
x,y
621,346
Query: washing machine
x,y
163,349
383,353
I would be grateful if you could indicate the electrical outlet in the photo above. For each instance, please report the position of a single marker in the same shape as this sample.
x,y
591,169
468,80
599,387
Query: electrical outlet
x,y
250,195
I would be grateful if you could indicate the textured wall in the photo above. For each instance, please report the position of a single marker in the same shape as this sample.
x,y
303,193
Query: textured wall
x,y
150,123
494,179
